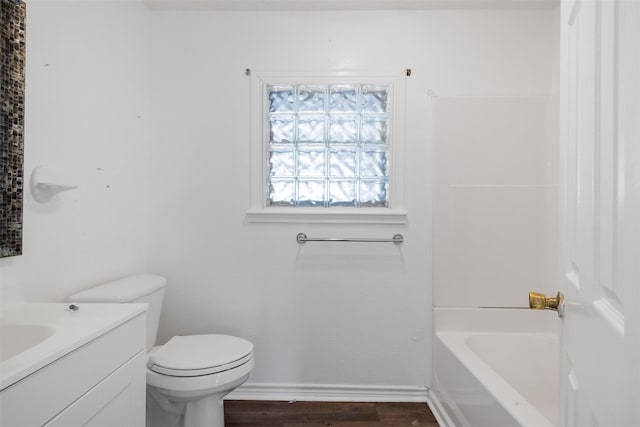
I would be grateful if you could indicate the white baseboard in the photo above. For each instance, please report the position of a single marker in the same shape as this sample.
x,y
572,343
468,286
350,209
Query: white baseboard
x,y
327,393
438,411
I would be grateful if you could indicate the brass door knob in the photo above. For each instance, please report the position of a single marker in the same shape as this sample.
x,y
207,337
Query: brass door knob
x,y
538,301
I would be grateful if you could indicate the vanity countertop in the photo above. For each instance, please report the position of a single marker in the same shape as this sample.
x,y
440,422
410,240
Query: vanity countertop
x,y
32,335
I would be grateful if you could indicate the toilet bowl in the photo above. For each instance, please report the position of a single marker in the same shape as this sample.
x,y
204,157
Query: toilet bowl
x,y
188,376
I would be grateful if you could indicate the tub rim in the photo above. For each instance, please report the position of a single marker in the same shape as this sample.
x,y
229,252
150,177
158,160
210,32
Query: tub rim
x,y
498,387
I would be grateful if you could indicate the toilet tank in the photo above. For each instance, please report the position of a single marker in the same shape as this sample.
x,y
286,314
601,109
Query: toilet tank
x,y
141,288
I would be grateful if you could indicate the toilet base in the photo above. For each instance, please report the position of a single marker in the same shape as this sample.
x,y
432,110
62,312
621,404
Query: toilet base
x,y
209,410
170,408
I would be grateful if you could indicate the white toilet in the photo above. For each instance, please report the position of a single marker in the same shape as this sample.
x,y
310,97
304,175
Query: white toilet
x,y
189,375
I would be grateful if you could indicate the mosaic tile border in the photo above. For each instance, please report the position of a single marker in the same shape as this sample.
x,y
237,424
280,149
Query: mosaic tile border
x,y
12,54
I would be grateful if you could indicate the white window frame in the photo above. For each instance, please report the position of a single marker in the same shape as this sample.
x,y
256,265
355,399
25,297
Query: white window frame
x,y
260,212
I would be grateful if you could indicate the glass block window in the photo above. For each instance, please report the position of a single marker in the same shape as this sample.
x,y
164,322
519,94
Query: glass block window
x,y
328,145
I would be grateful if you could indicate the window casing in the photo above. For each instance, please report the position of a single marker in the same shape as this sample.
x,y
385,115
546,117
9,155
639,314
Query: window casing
x,y
327,147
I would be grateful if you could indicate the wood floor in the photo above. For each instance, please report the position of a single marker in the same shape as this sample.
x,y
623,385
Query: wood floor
x,y
322,414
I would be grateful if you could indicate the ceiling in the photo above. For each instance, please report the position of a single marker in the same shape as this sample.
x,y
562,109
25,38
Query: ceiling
x,y
316,5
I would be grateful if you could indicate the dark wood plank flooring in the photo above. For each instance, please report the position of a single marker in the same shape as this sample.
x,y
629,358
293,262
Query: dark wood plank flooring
x,y
322,414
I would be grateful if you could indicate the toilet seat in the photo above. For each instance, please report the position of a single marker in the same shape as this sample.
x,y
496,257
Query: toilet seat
x,y
179,386
198,355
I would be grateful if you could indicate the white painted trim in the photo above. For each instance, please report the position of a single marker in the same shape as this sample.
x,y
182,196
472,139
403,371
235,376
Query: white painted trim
x,y
328,393
313,215
438,410
475,96
394,214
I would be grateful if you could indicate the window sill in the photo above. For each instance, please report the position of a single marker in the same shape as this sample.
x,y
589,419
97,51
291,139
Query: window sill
x,y
328,216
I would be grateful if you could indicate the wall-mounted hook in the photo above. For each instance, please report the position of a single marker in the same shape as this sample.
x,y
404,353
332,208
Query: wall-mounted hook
x,y
42,189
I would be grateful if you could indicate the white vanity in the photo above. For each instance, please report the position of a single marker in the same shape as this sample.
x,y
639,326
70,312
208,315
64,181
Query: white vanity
x,y
72,366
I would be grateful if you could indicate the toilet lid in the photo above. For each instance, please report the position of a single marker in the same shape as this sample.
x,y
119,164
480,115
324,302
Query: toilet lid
x,y
194,355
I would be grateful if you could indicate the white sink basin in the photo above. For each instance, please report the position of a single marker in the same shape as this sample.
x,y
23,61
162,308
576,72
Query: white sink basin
x,y
18,338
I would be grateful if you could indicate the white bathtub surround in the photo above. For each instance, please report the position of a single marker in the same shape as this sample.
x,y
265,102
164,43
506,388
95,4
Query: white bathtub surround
x,y
495,239
496,367
495,199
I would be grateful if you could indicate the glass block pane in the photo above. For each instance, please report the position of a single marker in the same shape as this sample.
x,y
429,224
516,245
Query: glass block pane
x,y
374,99
373,193
343,129
328,144
282,129
343,99
373,164
311,193
282,163
343,193
342,163
311,129
311,163
281,98
311,99
282,193
374,130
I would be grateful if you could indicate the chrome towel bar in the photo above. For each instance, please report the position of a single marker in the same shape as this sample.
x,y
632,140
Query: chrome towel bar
x,y
397,239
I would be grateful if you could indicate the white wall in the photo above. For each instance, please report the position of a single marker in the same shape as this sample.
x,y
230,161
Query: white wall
x,y
317,314
86,119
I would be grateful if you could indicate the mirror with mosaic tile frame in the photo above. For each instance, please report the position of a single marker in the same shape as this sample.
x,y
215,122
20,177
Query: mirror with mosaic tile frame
x,y
12,76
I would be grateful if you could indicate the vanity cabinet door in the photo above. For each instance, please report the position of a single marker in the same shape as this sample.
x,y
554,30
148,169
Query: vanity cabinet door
x,y
118,400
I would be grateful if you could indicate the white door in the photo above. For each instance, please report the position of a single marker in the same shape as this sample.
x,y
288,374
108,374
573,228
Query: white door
x,y
600,212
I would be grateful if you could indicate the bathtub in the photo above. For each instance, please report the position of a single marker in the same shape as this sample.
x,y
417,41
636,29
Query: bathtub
x,y
496,367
